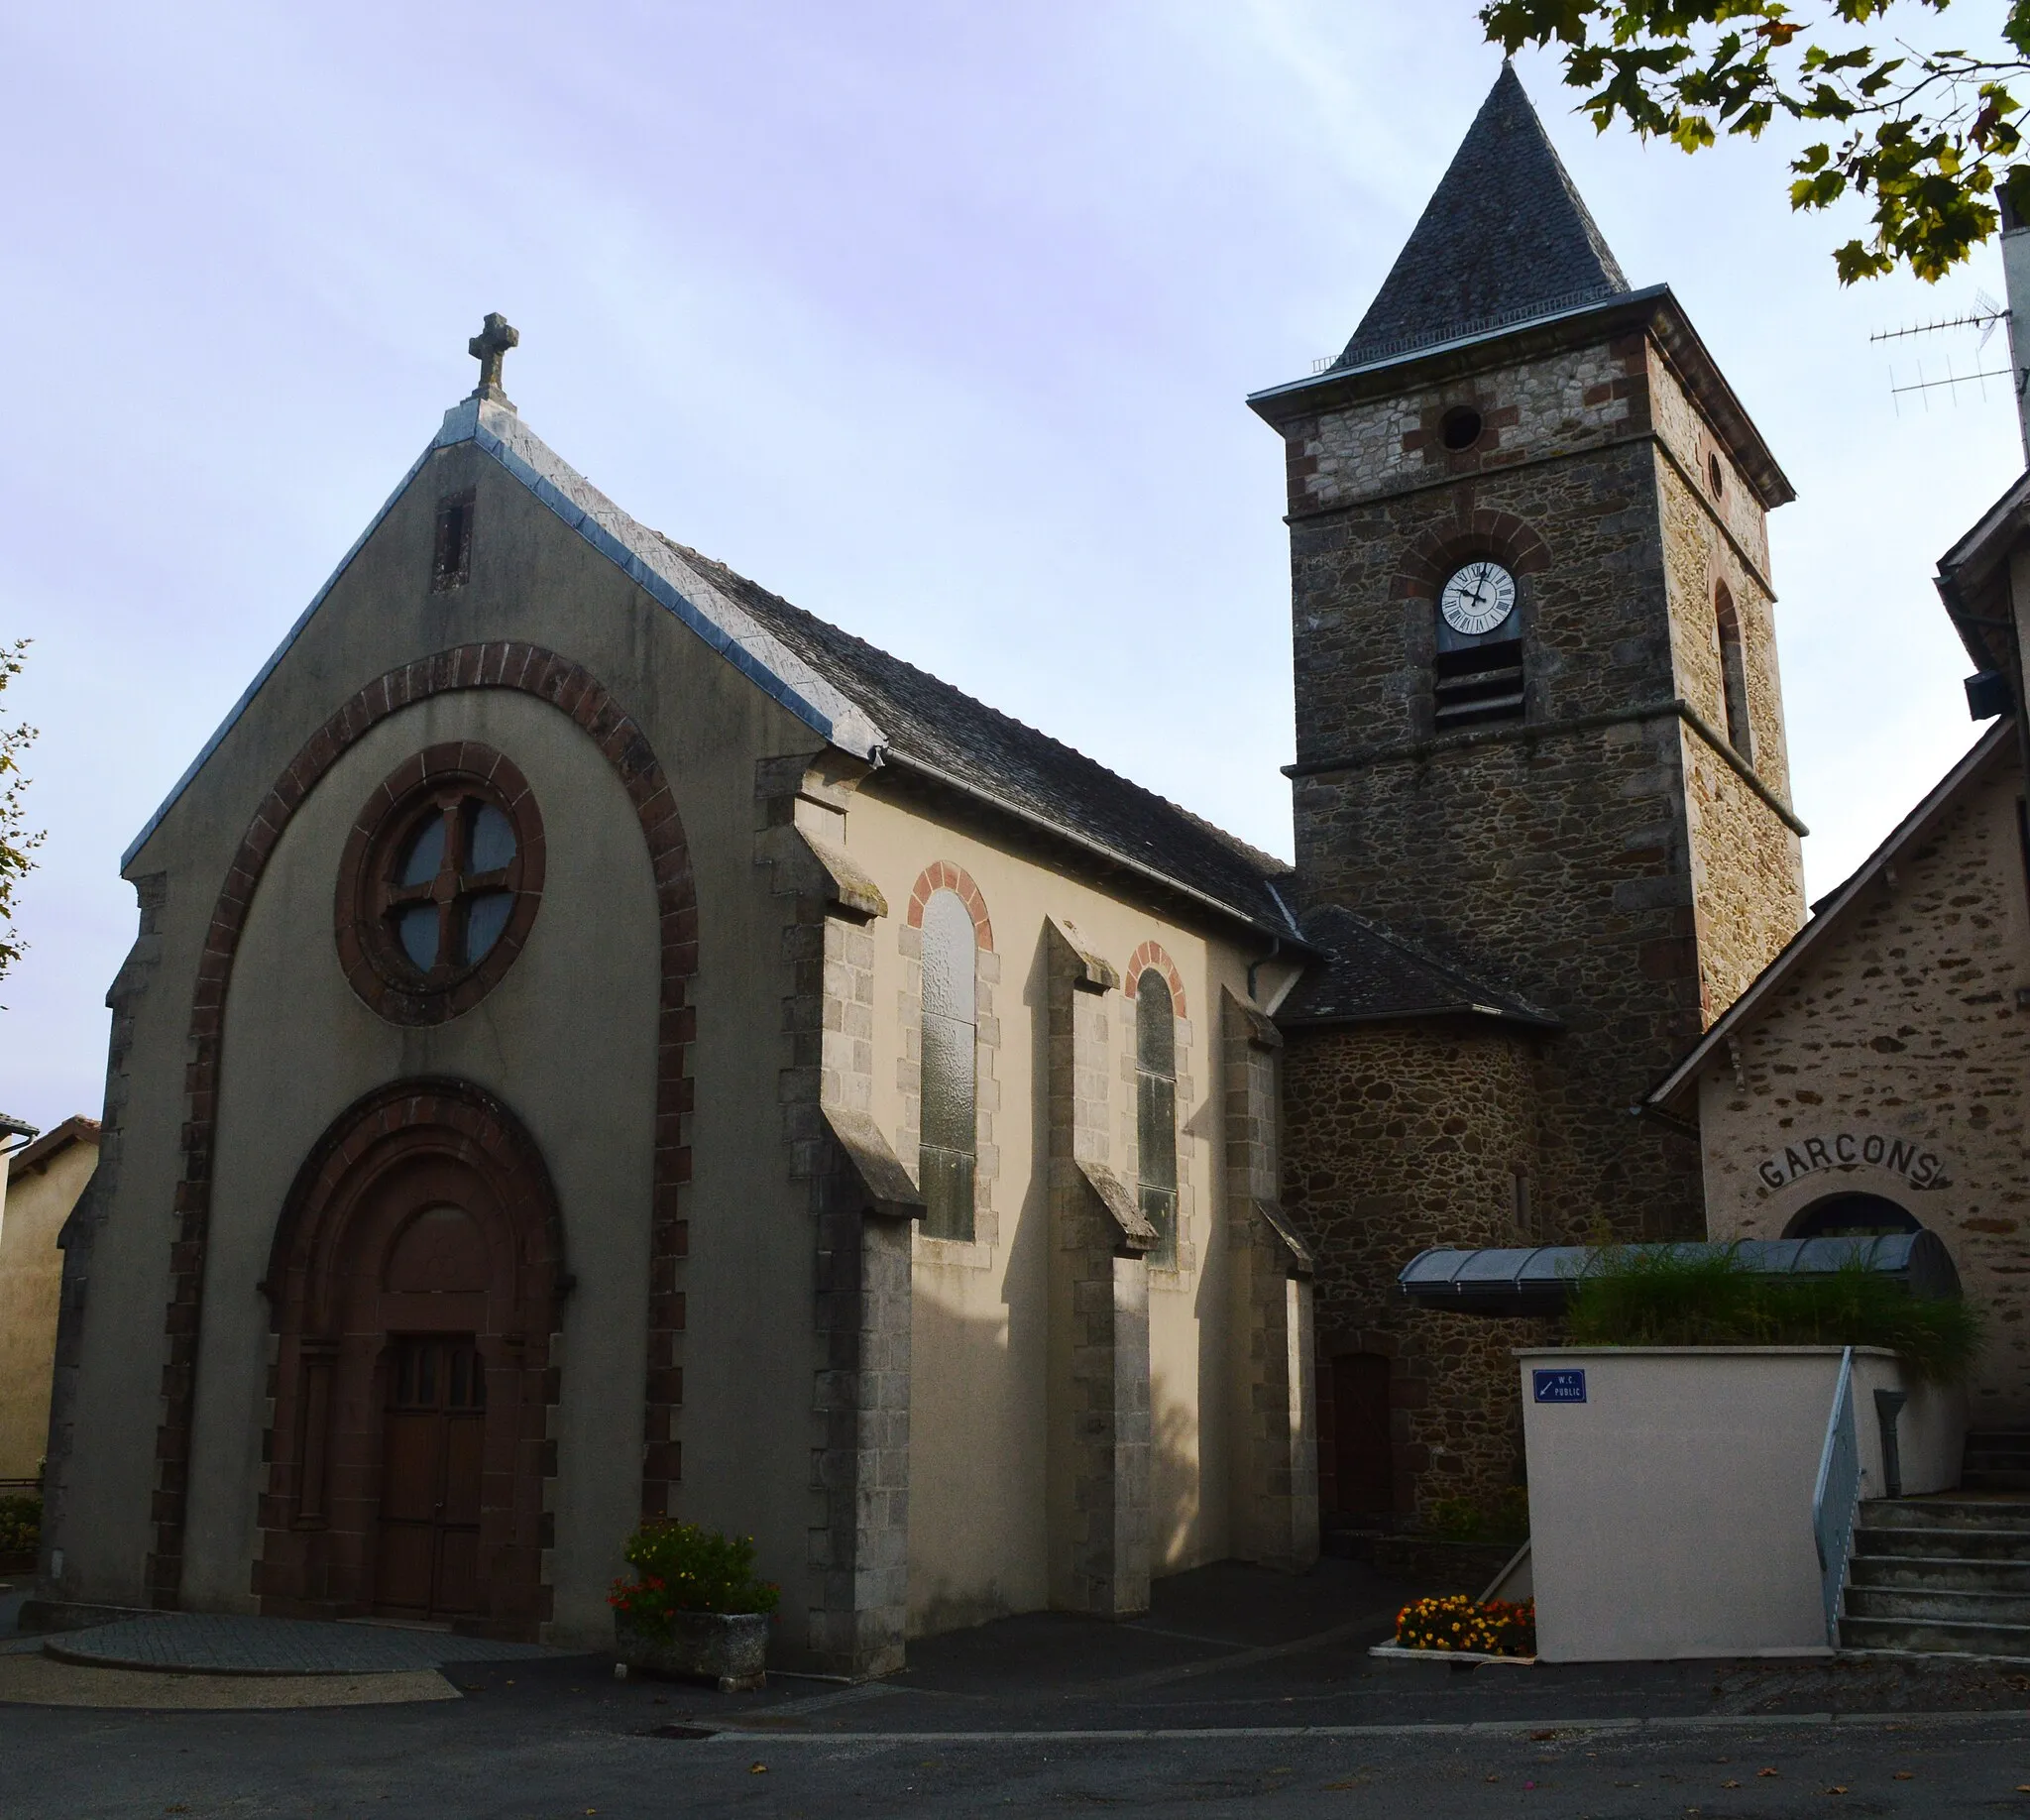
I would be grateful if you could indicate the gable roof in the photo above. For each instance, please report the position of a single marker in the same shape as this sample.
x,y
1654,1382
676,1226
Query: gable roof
x,y
1504,239
1832,912
1370,976
1973,576
854,696
77,1129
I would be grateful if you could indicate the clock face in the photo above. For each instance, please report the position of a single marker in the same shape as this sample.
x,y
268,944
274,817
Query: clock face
x,y
1478,598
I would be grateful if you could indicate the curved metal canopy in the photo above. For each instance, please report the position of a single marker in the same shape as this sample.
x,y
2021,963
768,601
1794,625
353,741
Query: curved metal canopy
x,y
1538,1280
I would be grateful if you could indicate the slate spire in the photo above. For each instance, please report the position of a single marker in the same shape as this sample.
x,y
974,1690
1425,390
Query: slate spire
x,y
1503,238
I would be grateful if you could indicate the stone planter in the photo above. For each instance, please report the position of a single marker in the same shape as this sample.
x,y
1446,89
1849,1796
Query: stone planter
x,y
727,1648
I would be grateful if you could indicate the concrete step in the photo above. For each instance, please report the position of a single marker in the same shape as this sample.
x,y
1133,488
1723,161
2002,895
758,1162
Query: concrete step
x,y
1920,1636
1933,1604
1941,1544
1945,1575
1986,1514
2011,1478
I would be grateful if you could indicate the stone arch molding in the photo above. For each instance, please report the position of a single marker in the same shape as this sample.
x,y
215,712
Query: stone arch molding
x,y
1433,556
943,875
1153,954
572,691
353,1262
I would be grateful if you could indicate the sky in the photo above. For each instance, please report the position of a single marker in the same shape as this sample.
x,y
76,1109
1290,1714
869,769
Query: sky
x,y
935,317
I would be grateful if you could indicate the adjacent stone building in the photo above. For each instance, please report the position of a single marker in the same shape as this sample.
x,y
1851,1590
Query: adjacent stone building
x,y
39,1182
1877,1075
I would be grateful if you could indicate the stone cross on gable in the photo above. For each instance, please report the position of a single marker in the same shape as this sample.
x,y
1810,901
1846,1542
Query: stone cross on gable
x,y
489,347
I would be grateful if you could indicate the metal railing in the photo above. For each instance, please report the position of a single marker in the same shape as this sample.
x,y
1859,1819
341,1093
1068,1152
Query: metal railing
x,y
1835,1498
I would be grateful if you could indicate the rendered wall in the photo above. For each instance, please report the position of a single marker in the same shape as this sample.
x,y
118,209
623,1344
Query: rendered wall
x,y
1670,1514
978,1416
747,1462
33,1207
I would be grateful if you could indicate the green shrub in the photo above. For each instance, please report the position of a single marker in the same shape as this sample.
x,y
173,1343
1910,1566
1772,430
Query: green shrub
x,y
683,1567
1469,1520
1670,1298
21,1524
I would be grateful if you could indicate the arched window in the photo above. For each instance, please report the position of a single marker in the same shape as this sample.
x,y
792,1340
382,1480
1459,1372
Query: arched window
x,y
1850,1216
1155,1112
951,1099
1734,675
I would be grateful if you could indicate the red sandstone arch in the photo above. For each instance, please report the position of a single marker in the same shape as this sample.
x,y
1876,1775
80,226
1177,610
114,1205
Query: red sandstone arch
x,y
1438,552
1150,954
941,875
423,1221
572,690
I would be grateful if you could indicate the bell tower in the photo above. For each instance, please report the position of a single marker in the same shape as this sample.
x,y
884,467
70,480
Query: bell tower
x,y
1540,731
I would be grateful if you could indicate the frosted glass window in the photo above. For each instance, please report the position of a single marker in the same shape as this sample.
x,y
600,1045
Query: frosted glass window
x,y
950,1097
1155,1112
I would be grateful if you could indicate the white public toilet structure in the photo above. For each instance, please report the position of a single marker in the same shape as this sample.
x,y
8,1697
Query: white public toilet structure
x,y
1701,1500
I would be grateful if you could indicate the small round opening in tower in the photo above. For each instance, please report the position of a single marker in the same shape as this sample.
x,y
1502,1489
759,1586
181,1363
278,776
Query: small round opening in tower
x,y
1460,428
1716,476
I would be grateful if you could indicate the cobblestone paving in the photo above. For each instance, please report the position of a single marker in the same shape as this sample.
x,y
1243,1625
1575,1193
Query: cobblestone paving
x,y
196,1643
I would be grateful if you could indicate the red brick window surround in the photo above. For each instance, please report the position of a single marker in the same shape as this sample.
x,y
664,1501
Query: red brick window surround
x,y
950,1096
439,884
943,875
1151,955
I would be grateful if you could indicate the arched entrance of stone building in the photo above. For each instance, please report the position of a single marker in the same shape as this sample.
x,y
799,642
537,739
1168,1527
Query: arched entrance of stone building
x,y
414,1281
1850,1216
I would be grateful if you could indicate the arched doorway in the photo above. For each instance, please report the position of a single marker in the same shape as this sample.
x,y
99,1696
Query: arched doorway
x,y
413,1282
1850,1216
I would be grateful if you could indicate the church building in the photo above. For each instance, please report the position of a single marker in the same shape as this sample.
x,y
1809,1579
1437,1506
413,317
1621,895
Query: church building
x,y
602,1042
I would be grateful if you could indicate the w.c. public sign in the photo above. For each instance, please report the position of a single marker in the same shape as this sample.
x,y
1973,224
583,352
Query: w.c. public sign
x,y
1905,1156
1565,1383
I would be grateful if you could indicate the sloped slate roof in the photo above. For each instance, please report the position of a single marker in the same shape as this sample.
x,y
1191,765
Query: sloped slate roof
x,y
945,732
1370,976
1503,238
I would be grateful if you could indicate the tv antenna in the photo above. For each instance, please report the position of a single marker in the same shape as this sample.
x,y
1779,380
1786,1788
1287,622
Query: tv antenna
x,y
1987,315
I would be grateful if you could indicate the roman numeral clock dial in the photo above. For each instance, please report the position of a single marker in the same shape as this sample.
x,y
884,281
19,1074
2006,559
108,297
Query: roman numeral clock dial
x,y
1478,598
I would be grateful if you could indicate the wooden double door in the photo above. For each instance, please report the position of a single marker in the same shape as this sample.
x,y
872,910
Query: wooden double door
x,y
428,1560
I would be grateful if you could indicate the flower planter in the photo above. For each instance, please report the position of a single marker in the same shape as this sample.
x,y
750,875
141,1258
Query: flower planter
x,y
727,1648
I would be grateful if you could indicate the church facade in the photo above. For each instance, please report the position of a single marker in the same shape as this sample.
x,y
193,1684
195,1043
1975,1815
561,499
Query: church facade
x,y
603,1043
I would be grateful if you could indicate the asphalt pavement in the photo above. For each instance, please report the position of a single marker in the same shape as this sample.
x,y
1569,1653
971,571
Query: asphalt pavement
x,y
1240,1692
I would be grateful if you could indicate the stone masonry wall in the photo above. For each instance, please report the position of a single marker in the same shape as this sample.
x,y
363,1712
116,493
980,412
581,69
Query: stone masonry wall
x,y
1581,397
1399,1137
1748,879
1896,1060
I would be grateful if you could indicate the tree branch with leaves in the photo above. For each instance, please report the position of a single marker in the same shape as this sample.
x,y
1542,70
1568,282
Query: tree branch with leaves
x,y
17,843
1929,136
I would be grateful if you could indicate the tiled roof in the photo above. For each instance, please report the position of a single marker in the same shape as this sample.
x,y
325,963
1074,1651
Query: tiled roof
x,y
1504,239
943,731
1370,976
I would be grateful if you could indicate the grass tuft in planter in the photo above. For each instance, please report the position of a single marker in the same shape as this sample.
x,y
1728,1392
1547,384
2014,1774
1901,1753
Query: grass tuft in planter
x,y
1670,1298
